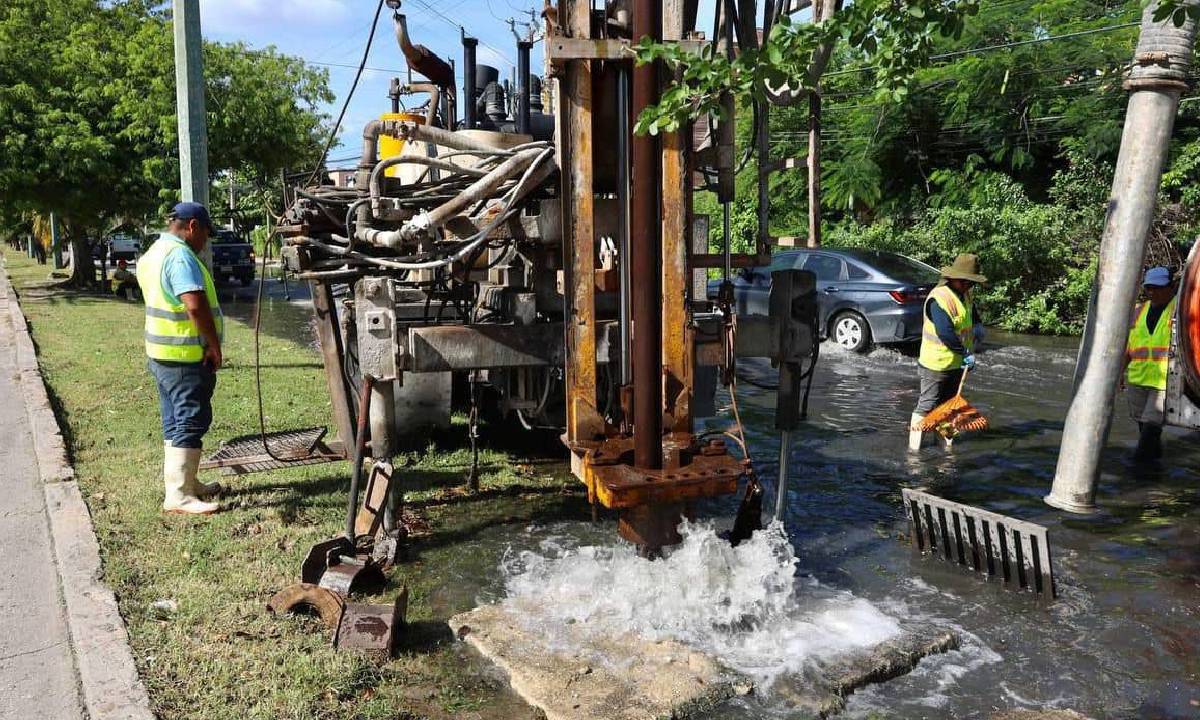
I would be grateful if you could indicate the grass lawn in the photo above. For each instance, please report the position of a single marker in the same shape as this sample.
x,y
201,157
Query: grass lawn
x,y
220,654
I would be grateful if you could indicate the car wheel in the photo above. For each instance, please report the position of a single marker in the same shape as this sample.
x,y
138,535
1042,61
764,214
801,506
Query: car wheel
x,y
851,331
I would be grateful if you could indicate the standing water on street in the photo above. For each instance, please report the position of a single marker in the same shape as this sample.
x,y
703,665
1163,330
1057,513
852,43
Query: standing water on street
x,y
1122,640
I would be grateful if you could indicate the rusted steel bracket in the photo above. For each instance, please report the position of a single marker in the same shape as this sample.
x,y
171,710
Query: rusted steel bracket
x,y
692,471
335,565
561,49
371,629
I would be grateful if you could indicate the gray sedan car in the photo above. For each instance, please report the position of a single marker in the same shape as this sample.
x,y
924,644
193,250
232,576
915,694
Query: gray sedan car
x,y
865,296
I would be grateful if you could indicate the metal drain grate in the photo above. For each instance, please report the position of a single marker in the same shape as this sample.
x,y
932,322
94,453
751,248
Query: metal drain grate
x,y
1013,551
246,454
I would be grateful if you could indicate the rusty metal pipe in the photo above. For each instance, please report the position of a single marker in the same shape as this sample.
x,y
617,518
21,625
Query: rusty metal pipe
x,y
623,219
645,226
360,452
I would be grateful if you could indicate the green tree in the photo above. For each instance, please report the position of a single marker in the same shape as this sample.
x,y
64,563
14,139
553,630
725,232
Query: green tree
x,y
87,100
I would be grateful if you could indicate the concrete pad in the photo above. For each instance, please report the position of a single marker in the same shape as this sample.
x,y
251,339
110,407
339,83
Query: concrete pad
x,y
823,692
636,680
625,677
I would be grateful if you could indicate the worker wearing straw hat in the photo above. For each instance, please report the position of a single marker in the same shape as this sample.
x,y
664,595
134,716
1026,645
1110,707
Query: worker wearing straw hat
x,y
951,329
1146,355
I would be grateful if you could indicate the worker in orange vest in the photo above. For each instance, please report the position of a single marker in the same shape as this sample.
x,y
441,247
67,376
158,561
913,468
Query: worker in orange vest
x,y
1146,355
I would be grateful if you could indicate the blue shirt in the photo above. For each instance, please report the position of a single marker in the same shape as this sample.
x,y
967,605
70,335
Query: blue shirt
x,y
181,272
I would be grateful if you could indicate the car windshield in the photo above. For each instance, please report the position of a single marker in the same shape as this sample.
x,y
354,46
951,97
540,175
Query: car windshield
x,y
226,236
901,268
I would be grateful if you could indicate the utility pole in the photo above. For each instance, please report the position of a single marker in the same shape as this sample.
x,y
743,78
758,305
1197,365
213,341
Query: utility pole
x,y
189,100
1161,66
56,242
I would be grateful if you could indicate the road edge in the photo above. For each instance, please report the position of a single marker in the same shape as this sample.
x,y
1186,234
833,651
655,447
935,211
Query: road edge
x,y
109,683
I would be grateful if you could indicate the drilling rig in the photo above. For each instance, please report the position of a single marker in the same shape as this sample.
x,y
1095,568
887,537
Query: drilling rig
x,y
552,263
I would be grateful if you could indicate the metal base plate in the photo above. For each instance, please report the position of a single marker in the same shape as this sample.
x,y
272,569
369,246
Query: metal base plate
x,y
246,454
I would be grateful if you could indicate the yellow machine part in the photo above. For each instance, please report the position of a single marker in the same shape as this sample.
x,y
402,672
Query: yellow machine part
x,y
390,146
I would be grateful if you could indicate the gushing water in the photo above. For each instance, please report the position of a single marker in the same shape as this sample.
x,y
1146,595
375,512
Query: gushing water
x,y
744,605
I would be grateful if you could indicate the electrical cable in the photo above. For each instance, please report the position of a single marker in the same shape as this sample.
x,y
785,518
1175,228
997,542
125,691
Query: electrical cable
x,y
346,103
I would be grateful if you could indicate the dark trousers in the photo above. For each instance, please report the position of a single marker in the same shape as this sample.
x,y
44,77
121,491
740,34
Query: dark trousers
x,y
937,386
184,400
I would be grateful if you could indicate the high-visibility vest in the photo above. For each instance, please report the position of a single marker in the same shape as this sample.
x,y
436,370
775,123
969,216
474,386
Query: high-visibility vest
x,y
170,333
1148,351
934,353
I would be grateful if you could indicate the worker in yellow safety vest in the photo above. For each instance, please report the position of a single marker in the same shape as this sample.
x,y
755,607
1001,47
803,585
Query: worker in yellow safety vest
x,y
183,334
1146,354
950,331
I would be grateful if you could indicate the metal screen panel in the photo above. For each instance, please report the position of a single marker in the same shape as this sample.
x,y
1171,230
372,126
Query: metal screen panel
x,y
1015,552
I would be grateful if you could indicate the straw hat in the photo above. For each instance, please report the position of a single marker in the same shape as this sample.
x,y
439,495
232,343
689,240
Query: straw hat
x,y
964,267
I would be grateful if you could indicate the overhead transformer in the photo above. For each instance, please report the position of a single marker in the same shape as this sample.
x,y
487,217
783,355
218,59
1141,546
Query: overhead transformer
x,y
540,255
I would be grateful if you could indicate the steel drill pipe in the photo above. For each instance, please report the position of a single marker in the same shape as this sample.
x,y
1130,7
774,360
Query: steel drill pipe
x,y
645,227
1160,72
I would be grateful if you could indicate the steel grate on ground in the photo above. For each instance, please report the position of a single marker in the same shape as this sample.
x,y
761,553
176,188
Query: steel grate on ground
x,y
246,454
1013,551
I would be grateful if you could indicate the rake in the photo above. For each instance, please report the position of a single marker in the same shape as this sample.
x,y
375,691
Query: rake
x,y
954,416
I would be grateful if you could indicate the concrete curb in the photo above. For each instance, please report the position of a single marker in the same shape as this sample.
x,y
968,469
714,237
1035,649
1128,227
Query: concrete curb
x,y
109,683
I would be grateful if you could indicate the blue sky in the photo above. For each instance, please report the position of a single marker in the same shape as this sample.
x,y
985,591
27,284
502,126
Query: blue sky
x,y
334,32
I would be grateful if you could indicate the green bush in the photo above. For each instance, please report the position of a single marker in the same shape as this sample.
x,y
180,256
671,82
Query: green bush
x,y
1039,259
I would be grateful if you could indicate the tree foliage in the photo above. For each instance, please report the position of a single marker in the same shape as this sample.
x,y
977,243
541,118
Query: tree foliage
x,y
87,103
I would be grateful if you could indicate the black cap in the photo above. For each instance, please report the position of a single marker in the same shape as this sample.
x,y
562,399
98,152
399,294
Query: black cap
x,y
191,211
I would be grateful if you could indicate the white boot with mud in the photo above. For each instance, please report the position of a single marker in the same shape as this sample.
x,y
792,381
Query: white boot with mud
x,y
914,435
179,493
202,490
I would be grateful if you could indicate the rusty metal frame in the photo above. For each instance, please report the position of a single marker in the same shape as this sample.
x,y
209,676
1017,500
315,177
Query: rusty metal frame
x,y
574,130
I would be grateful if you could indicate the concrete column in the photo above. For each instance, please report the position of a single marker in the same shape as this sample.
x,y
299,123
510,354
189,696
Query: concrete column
x,y
1160,70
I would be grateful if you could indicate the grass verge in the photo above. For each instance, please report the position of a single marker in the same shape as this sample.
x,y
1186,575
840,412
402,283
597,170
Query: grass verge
x,y
220,654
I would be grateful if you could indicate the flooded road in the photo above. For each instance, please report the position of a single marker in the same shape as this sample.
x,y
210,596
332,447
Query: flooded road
x,y
1122,640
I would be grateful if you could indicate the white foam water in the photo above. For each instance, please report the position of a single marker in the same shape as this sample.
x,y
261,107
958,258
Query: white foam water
x,y
744,605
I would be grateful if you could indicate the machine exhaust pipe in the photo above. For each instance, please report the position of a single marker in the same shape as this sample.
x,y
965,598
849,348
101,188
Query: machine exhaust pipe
x,y
469,46
523,48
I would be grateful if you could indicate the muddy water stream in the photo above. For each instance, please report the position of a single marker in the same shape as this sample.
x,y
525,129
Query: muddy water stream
x,y
1122,640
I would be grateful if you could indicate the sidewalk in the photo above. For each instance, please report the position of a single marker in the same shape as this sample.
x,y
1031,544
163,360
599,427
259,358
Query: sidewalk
x,y
64,652
37,670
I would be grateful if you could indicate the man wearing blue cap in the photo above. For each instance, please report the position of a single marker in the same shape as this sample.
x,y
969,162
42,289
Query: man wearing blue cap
x,y
1146,354
184,329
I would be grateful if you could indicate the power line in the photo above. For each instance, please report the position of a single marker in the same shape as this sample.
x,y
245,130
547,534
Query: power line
x,y
346,103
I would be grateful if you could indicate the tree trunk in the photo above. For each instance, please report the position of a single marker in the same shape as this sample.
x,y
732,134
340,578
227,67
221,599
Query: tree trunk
x,y
83,270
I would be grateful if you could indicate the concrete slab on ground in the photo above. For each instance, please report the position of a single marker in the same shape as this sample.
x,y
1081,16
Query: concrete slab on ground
x,y
579,675
641,679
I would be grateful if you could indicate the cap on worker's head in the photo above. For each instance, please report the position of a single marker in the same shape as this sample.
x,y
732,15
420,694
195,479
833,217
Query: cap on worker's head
x,y
122,263
964,267
1157,277
191,211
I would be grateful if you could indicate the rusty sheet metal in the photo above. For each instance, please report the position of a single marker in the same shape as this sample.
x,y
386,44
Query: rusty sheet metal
x,y
317,560
327,604
350,574
579,243
452,347
370,515
690,473
372,630
329,338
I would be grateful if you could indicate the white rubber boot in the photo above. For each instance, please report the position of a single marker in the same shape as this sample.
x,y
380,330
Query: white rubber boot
x,y
202,490
947,443
178,494
914,435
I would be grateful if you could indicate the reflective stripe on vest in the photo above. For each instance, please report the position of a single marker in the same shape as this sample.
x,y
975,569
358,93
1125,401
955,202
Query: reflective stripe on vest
x,y
1149,351
934,353
169,333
